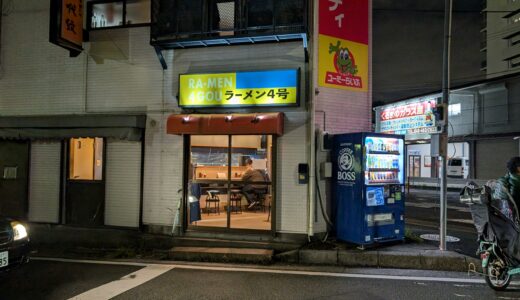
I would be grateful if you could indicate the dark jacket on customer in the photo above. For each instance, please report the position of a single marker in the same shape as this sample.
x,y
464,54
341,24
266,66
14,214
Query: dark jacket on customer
x,y
510,182
255,175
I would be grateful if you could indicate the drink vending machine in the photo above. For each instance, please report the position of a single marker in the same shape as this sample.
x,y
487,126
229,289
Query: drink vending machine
x,y
368,187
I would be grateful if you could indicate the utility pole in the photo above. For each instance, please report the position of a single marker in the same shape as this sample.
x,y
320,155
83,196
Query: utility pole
x,y
443,138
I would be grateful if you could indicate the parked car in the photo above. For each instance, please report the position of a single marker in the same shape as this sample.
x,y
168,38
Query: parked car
x,y
458,167
14,243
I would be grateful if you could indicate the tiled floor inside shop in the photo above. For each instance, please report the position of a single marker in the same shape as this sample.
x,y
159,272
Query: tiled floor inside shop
x,y
255,219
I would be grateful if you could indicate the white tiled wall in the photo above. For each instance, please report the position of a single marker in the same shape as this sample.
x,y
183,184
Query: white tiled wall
x,y
162,172
292,202
37,77
124,73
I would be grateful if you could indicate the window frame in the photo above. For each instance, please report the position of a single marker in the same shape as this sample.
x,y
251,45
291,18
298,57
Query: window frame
x,y
241,28
90,6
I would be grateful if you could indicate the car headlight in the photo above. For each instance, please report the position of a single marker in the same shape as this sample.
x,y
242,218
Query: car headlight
x,y
20,232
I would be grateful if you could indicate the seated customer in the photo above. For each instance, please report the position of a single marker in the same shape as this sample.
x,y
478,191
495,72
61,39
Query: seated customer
x,y
250,190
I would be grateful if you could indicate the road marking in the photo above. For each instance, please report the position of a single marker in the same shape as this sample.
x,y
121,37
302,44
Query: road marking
x,y
125,283
278,271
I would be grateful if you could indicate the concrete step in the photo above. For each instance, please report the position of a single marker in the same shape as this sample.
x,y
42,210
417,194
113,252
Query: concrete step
x,y
221,254
220,242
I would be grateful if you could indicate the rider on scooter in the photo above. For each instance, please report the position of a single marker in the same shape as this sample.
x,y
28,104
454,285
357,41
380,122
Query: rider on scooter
x,y
511,182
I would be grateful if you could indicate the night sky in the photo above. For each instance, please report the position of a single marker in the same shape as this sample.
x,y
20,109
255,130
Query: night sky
x,y
408,44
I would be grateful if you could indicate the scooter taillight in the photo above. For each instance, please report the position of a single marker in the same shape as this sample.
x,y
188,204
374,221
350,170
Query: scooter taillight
x,y
484,255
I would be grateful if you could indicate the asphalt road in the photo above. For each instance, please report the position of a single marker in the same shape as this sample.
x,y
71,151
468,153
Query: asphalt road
x,y
423,214
63,280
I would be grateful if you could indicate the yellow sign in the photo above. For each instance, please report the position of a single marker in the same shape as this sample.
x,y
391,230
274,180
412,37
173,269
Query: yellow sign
x,y
343,64
259,88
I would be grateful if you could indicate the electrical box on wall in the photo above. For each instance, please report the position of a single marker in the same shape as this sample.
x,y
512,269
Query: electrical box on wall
x,y
303,173
326,169
324,140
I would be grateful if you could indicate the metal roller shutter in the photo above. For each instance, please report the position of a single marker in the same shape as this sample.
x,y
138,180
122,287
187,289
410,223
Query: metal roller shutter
x,y
123,183
44,182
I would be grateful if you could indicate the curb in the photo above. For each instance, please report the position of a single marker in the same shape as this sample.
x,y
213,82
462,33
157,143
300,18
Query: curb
x,y
422,259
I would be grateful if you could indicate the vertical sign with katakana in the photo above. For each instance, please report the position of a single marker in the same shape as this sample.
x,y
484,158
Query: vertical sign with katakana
x,y
343,44
72,21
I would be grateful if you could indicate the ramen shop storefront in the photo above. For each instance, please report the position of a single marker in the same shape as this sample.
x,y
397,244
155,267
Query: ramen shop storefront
x,y
230,158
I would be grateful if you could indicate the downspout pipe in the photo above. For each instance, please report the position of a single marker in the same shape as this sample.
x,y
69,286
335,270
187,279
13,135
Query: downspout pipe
x,y
312,127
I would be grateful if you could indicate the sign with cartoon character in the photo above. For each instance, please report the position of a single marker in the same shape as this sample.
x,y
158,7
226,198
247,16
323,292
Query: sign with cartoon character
x,y
343,44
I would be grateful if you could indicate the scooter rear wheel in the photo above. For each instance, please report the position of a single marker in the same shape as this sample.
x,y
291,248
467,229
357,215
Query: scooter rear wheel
x,y
496,274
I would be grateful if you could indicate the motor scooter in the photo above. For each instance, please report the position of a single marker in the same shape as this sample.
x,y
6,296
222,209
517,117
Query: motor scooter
x,y
497,224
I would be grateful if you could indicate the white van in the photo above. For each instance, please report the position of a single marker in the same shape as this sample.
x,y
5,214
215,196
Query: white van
x,y
458,167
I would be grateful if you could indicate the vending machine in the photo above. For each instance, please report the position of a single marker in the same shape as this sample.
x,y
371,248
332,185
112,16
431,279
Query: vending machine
x,y
368,187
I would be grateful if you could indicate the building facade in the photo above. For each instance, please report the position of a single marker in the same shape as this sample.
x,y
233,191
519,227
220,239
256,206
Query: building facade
x,y
103,140
482,127
500,39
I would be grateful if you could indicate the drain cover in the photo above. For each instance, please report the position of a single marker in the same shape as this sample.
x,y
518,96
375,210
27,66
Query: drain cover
x,y
436,237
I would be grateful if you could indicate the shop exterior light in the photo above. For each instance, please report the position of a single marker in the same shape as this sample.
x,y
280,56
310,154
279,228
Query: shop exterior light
x,y
257,119
229,118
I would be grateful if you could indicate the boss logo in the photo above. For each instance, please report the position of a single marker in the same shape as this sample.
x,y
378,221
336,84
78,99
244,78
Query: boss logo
x,y
346,165
350,176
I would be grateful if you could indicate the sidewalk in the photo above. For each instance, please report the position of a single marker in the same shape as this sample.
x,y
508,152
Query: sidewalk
x,y
401,256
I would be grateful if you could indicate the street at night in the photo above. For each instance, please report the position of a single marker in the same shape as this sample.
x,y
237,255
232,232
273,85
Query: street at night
x,y
43,279
423,217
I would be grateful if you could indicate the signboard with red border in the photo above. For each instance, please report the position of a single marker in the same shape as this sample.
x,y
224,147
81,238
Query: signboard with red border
x,y
343,44
409,118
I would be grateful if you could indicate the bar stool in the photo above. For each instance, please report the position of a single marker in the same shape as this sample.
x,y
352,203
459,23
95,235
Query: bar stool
x,y
213,198
235,201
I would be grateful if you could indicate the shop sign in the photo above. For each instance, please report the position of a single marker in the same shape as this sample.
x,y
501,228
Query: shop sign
x,y
409,118
66,24
239,89
343,44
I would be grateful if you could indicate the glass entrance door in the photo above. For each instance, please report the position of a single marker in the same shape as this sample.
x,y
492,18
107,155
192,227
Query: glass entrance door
x,y
229,182
414,166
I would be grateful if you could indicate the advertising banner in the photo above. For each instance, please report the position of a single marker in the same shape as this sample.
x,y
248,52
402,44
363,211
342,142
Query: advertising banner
x,y
409,118
343,44
238,89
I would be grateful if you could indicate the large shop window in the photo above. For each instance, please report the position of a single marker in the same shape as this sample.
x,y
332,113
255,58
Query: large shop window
x,y
230,181
86,159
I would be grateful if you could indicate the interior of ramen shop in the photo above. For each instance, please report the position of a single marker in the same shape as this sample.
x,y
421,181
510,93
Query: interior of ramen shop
x,y
218,194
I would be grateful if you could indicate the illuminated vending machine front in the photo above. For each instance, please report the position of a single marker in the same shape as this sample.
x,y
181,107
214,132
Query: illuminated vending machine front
x,y
369,187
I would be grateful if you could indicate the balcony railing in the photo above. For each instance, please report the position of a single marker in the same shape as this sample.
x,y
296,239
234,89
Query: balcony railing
x,y
199,23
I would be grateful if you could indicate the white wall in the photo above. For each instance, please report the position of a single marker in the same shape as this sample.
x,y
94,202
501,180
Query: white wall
x,y
162,172
454,150
37,77
291,197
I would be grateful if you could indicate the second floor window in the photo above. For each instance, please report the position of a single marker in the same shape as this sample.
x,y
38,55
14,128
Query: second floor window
x,y
193,19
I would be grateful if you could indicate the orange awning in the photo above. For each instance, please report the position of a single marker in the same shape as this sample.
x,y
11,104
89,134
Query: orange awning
x,y
261,123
